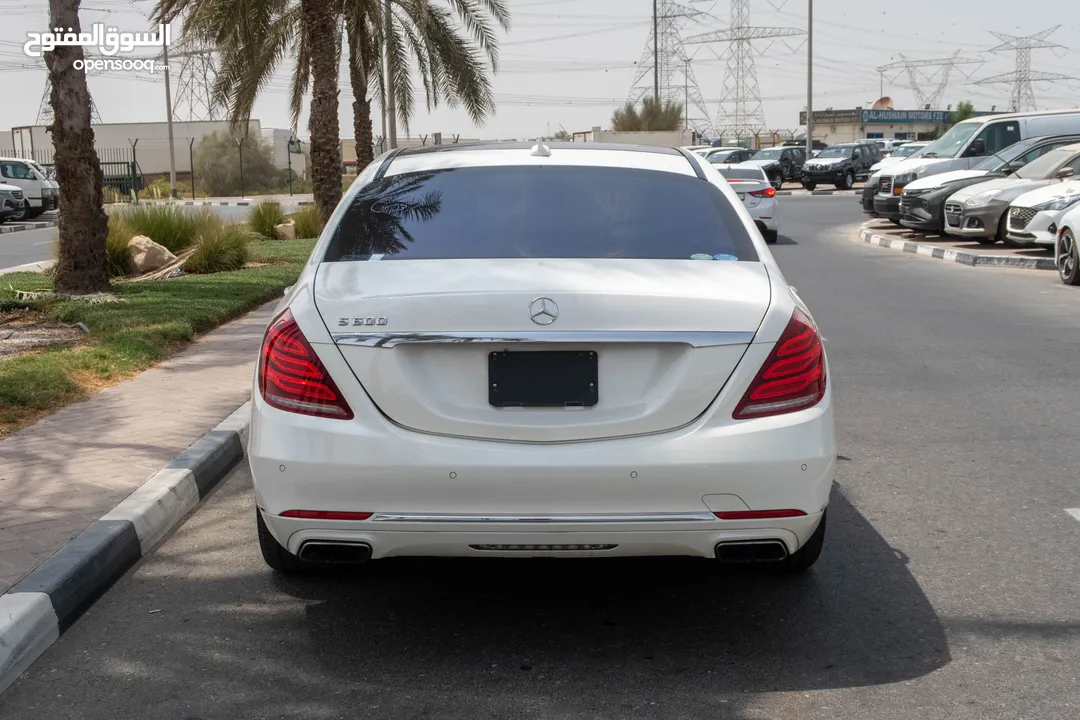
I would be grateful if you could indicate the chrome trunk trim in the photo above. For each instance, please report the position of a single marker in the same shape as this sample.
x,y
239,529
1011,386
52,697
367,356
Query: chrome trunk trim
x,y
694,339
542,519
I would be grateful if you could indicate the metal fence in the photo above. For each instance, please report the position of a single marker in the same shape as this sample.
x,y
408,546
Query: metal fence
x,y
119,166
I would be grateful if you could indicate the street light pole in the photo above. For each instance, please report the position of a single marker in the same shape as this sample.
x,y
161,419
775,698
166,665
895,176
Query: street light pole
x,y
810,79
391,106
168,115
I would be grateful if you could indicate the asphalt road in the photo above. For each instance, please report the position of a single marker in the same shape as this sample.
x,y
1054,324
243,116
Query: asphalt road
x,y
947,589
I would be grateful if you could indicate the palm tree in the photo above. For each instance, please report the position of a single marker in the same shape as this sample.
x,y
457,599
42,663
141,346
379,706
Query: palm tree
x,y
451,67
654,115
252,39
82,266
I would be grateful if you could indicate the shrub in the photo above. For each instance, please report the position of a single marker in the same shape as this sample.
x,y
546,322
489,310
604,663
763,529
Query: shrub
x,y
263,217
160,189
309,222
218,247
217,165
166,225
116,246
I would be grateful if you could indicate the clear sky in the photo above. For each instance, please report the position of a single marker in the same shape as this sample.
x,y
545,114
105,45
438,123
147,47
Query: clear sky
x,y
568,63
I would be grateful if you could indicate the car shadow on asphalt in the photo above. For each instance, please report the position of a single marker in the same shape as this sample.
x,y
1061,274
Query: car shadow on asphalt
x,y
673,626
784,240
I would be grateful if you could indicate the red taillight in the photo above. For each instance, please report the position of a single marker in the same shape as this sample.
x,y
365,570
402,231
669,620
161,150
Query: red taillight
x,y
767,192
325,515
793,376
758,514
291,376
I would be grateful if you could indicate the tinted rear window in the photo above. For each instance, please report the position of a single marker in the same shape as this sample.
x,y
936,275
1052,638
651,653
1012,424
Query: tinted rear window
x,y
539,212
738,173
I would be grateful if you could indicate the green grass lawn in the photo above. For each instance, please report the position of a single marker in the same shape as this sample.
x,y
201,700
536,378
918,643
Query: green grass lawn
x,y
158,318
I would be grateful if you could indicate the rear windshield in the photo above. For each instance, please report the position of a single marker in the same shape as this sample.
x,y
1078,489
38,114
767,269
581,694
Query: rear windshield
x,y
539,212
742,173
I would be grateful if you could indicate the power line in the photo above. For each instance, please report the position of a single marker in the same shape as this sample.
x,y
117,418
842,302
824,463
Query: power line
x,y
741,112
664,68
1023,93
945,66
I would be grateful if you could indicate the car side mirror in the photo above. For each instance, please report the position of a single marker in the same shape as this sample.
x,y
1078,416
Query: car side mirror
x,y
977,148
1065,172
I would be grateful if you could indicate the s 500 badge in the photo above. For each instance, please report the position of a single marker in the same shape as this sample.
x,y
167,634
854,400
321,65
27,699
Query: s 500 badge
x,y
362,321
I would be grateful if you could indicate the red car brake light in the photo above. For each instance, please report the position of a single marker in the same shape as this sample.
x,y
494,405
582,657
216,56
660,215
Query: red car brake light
x,y
792,378
766,193
291,376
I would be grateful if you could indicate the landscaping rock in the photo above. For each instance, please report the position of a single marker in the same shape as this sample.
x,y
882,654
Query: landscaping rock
x,y
147,255
286,231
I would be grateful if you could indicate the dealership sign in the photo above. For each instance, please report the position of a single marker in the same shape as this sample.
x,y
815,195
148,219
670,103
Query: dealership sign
x,y
878,117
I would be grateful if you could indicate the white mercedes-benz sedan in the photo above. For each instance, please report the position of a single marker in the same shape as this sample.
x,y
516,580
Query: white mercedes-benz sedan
x,y
571,350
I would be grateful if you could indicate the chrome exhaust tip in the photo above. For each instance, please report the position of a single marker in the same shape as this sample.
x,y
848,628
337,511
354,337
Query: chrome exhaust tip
x,y
324,552
751,551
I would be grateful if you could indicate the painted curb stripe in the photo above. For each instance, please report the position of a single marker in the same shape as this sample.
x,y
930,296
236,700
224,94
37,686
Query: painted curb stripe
x,y
28,626
44,604
84,569
870,237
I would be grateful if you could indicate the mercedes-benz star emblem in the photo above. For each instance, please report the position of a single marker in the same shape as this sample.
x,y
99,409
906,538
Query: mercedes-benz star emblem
x,y
543,311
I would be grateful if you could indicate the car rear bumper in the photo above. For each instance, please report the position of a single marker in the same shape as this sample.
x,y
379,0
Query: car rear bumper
x,y
374,466
766,214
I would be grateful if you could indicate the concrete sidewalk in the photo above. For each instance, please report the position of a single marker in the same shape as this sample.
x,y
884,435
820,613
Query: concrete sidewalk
x,y
61,474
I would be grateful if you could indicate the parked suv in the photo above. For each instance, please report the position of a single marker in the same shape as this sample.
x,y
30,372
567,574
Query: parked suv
x,y
841,165
781,164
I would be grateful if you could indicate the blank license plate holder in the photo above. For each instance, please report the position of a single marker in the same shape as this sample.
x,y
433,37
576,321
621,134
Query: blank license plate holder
x,y
543,378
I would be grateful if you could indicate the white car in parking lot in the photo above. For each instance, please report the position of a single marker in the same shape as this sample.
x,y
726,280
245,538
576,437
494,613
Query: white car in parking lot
x,y
1035,216
1066,252
757,194
571,350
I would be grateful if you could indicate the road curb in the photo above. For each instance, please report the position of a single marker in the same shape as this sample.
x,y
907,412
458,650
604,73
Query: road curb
x,y
221,203
808,193
44,604
23,226
964,258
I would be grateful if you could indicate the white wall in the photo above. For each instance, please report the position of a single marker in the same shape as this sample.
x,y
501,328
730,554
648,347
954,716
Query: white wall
x,y
113,141
675,138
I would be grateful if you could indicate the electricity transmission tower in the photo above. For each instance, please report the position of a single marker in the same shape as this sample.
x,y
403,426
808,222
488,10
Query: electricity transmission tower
x,y
194,84
740,112
930,98
1023,93
664,68
45,109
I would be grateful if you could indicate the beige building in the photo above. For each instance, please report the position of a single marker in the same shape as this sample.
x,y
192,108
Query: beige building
x,y
837,126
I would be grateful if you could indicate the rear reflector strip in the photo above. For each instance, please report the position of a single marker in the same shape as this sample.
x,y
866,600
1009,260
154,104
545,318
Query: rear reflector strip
x,y
758,514
325,515
543,548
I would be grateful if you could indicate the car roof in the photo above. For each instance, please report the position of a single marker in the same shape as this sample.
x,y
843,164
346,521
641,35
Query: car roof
x,y
438,157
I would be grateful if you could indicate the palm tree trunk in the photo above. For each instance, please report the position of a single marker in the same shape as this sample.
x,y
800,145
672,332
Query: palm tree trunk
x,y
83,265
358,78
321,25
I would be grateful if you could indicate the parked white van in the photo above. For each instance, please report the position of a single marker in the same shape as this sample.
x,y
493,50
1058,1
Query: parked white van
x,y
40,193
964,146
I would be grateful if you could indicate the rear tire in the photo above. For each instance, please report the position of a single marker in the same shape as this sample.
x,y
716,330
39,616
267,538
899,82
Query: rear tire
x,y
809,186
802,559
777,180
770,236
278,558
986,240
